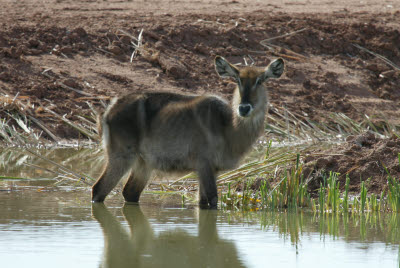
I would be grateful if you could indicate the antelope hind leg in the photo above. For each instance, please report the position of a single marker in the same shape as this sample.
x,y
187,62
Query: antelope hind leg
x,y
137,181
115,169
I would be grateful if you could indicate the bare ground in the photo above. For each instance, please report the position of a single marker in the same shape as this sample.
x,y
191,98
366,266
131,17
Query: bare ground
x,y
66,56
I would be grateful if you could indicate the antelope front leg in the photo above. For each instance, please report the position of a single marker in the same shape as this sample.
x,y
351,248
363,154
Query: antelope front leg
x,y
208,186
203,200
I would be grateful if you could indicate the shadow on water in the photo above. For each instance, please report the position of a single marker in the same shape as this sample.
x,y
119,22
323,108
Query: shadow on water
x,y
169,237
142,246
367,228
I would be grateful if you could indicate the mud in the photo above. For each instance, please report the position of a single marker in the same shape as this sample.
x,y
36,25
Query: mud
x,y
66,56
362,158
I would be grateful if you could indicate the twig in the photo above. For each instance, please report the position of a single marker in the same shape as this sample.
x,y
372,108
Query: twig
x,y
137,46
274,47
265,41
65,86
15,97
296,56
99,97
103,103
45,129
79,128
252,60
245,61
91,124
24,110
387,61
103,50
127,34
74,89
188,176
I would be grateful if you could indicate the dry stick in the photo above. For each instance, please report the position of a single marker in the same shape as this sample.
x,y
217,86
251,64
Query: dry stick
x,y
79,128
295,56
348,171
98,97
188,176
65,86
127,34
15,97
94,111
90,123
103,104
312,126
74,89
27,112
103,50
45,129
281,36
378,56
137,46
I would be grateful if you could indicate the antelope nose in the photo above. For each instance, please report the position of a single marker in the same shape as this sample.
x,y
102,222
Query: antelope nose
x,y
245,109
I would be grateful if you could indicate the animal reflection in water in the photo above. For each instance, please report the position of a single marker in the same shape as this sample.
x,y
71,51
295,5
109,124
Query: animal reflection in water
x,y
140,246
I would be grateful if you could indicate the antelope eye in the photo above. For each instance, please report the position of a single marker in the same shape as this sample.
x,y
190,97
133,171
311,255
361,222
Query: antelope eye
x,y
238,81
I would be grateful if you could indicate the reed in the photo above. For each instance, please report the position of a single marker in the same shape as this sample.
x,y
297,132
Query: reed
x,y
393,196
363,197
291,193
346,195
333,192
321,198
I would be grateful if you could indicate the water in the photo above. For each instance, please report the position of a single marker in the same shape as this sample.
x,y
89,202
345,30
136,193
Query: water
x,y
59,227
42,225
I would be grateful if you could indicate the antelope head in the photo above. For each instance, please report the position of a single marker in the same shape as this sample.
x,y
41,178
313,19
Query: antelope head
x,y
250,93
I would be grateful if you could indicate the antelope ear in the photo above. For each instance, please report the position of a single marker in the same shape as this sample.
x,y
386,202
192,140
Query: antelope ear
x,y
274,69
224,68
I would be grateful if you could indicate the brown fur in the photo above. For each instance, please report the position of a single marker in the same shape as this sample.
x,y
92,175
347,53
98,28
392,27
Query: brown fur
x,y
174,132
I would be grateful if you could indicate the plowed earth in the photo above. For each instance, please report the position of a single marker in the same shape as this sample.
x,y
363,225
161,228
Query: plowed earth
x,y
66,56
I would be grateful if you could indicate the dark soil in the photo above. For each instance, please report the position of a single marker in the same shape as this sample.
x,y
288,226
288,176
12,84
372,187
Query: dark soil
x,y
362,158
49,47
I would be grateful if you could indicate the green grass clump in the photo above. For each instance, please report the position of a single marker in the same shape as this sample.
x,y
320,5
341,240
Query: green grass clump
x,y
363,196
291,193
393,197
333,199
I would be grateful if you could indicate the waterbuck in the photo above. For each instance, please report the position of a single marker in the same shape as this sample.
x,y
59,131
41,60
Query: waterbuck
x,y
174,132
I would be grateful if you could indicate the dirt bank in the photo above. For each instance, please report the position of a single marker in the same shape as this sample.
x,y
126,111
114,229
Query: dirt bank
x,y
67,58
362,158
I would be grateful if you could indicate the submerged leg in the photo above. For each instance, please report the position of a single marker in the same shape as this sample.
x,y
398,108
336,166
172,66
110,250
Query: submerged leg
x,y
208,186
137,181
203,201
115,169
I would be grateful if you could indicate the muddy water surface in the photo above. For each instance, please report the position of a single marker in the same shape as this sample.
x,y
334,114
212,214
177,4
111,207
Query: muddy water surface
x,y
59,227
43,224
